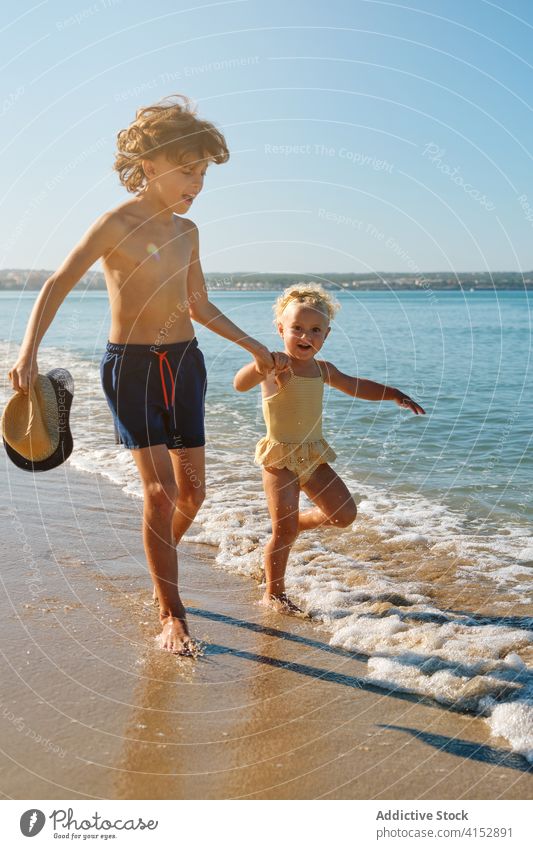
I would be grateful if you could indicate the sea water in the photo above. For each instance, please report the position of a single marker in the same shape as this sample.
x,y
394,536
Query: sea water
x,y
433,581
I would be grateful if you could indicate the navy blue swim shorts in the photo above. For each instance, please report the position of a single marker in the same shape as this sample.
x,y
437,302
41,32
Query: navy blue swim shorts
x,y
156,393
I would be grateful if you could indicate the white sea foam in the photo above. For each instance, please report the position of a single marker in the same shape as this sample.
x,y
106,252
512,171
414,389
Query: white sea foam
x,y
457,659
514,722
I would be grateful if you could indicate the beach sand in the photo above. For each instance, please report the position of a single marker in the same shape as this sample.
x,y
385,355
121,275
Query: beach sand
x,y
91,708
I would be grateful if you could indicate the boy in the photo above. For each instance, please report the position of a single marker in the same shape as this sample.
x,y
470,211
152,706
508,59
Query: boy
x,y
152,371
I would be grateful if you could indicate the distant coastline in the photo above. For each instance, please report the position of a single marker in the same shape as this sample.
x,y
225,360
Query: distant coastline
x,y
18,279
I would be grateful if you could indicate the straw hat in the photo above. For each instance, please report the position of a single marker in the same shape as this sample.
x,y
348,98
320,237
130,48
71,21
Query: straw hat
x,y
35,426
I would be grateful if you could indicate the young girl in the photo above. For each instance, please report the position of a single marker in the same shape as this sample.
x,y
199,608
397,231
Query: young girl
x,y
294,454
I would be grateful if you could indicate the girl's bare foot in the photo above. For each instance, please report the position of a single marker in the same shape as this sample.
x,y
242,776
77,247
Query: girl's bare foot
x,y
282,604
175,637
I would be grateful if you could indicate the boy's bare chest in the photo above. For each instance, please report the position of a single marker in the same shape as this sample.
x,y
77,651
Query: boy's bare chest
x,y
153,255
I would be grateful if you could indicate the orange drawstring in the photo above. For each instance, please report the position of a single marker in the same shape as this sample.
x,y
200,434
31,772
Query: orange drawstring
x,y
163,359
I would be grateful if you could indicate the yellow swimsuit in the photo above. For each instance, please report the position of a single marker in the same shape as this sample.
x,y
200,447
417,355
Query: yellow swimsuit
x,y
293,417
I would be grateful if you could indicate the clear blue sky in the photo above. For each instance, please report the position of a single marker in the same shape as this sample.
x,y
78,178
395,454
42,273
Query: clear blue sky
x,y
365,135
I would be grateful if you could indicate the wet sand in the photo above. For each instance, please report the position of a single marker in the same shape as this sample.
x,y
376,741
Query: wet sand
x,y
90,708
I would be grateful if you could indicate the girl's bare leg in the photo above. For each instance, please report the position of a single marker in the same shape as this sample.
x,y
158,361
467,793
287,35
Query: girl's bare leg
x,y
282,491
335,506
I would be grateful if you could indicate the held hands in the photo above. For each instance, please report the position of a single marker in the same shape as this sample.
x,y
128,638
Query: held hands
x,y
405,401
23,375
264,361
281,365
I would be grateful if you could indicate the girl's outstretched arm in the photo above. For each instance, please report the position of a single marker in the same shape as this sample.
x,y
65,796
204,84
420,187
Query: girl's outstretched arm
x,y
369,390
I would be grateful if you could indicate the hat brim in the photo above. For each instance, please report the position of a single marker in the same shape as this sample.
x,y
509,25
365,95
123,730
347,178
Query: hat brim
x,y
63,384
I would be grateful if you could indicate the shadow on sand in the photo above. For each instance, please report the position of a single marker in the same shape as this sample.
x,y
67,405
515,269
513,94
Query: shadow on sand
x,y
460,748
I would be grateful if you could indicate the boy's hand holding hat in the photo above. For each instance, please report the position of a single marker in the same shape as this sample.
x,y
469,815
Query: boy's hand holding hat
x,y
24,374
35,423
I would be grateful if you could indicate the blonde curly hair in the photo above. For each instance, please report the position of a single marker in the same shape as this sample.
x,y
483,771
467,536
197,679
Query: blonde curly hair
x,y
170,127
312,294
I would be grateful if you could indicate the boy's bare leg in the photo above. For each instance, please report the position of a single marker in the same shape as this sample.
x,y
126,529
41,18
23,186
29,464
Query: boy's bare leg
x,y
335,506
189,474
282,491
160,494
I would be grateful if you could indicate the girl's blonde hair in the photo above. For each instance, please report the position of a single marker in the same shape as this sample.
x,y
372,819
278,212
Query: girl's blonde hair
x,y
170,127
313,294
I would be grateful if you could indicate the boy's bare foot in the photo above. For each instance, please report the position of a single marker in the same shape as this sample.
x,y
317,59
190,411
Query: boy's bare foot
x,y
283,604
175,637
